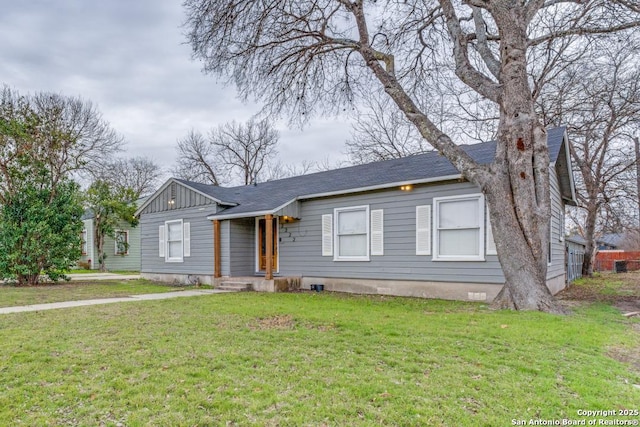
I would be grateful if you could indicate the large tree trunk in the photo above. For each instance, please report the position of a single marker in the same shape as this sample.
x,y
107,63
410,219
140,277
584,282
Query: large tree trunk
x,y
517,183
519,190
523,266
100,248
589,236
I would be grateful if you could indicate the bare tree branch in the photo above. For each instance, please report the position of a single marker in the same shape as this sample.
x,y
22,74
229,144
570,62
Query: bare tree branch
x,y
197,160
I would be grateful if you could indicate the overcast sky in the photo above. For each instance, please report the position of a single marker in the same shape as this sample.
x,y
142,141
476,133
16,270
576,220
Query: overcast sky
x,y
130,58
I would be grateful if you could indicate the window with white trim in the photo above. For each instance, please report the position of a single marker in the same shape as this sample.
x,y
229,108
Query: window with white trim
x,y
121,242
351,230
174,250
458,228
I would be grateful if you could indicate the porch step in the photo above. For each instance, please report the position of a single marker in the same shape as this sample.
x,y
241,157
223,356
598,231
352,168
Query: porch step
x,y
234,286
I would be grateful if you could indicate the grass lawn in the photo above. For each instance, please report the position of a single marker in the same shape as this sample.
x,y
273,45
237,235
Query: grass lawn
x,y
312,359
11,296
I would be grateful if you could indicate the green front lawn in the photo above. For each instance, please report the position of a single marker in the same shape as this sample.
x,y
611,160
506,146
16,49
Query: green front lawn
x,y
11,296
311,359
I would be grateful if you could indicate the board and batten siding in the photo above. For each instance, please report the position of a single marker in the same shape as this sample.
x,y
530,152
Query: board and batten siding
x,y
183,197
301,241
201,259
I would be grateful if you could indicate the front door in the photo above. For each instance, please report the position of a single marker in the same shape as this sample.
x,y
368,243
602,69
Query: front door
x,y
262,244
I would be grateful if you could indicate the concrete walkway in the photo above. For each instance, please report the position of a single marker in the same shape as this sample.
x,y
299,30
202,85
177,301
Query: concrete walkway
x,y
102,276
143,297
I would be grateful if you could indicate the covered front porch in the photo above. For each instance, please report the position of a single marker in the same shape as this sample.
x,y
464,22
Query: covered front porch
x,y
246,248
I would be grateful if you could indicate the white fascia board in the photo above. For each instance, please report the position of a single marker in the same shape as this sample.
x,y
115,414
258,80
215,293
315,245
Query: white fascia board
x,y
240,215
252,214
567,151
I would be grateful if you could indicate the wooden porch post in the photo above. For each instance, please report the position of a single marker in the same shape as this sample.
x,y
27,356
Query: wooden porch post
x,y
268,219
216,249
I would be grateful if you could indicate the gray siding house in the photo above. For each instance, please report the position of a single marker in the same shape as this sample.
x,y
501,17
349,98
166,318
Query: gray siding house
x,y
410,226
118,256
122,250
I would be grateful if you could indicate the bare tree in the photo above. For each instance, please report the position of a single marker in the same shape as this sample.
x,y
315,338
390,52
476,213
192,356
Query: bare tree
x,y
303,57
631,240
383,132
62,134
279,170
231,153
198,161
601,104
245,148
139,174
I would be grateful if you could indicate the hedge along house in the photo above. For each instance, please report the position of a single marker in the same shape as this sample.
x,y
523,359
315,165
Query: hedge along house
x,y
410,226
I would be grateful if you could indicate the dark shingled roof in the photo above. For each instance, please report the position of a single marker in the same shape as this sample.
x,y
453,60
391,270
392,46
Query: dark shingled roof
x,y
270,195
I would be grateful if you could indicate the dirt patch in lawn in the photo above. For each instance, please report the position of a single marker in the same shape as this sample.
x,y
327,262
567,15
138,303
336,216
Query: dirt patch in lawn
x,y
621,290
282,322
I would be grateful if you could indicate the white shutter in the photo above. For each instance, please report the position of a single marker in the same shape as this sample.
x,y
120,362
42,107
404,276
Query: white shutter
x,y
491,244
161,242
186,238
327,235
377,232
423,230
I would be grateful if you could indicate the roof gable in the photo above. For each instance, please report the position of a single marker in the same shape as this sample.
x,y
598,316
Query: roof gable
x,y
206,195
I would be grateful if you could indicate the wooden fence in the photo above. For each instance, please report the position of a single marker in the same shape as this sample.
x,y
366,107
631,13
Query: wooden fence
x,y
606,260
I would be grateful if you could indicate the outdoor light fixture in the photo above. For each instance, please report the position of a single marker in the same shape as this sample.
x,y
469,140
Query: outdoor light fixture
x,y
172,202
406,187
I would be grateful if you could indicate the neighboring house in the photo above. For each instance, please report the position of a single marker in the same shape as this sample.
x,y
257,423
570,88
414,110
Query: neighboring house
x,y
410,226
610,241
607,250
122,252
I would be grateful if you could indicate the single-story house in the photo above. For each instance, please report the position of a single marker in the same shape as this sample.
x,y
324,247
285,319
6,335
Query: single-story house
x,y
411,226
122,250
610,241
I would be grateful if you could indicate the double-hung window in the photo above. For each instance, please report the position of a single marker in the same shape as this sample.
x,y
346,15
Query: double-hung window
x,y
122,242
459,228
352,233
174,251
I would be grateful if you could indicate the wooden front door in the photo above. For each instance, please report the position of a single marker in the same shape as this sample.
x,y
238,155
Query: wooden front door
x,y
262,244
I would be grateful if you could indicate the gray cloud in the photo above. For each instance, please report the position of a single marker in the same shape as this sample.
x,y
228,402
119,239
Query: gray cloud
x,y
130,58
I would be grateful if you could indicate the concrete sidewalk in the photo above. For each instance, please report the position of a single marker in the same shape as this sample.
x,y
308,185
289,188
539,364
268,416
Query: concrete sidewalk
x,y
102,276
143,297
